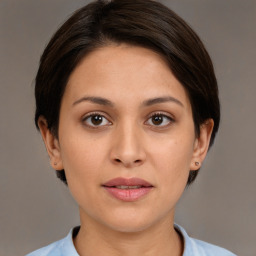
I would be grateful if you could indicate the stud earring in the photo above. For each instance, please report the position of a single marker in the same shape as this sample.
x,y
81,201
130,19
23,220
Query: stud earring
x,y
197,163
55,163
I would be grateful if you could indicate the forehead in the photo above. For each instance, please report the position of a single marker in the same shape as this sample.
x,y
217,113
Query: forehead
x,y
124,72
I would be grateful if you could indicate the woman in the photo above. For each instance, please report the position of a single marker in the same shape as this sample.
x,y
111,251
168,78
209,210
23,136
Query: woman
x,y
127,105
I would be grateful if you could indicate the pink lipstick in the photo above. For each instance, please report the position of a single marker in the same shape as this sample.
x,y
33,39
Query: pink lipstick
x,y
128,190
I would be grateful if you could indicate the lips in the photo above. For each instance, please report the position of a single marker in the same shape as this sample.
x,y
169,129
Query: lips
x,y
128,189
127,182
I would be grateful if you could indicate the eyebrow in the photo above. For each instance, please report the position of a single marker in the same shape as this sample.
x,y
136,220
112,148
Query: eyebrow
x,y
146,103
96,100
158,100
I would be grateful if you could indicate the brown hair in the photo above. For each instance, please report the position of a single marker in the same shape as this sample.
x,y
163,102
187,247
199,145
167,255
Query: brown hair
x,y
143,23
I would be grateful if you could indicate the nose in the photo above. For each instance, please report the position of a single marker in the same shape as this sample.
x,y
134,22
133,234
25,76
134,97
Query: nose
x,y
127,148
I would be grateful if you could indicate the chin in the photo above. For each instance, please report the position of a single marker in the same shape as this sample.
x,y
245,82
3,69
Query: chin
x,y
130,223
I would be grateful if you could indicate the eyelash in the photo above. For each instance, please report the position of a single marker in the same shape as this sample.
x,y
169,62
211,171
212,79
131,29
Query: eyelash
x,y
85,118
158,114
163,116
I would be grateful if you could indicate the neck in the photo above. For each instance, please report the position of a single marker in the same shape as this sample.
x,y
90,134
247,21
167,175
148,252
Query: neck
x,y
160,239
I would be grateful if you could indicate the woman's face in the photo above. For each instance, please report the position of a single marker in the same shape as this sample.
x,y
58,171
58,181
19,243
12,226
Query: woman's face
x,y
126,138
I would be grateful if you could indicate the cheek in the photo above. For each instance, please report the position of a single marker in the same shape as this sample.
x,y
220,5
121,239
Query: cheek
x,y
81,157
175,153
82,168
172,159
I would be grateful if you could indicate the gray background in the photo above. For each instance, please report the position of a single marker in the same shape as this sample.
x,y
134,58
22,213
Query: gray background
x,y
220,207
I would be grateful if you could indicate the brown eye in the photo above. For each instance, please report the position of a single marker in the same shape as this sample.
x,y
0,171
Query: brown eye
x,y
160,120
96,120
157,120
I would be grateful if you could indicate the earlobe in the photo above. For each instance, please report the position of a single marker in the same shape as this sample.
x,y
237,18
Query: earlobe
x,y
201,144
51,144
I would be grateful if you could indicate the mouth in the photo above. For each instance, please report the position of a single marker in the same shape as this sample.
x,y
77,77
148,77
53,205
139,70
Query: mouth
x,y
127,187
125,183
128,190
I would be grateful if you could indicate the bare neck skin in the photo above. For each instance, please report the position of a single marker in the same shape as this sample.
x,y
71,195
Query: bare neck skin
x,y
160,239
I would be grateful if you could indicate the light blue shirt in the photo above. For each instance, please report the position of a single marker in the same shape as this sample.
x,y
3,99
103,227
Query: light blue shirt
x,y
192,247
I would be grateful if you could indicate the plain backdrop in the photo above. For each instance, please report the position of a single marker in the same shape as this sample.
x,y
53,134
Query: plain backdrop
x,y
220,207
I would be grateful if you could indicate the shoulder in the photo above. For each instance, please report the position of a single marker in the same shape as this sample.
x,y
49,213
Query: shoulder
x,y
197,247
50,250
206,249
63,247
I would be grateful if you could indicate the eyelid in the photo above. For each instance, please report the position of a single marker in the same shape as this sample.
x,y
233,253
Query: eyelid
x,y
163,113
95,113
106,116
160,113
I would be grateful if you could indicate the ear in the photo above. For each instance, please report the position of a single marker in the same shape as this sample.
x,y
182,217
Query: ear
x,y
51,144
201,144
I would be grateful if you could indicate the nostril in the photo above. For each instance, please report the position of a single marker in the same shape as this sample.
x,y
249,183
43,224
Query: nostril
x,y
119,161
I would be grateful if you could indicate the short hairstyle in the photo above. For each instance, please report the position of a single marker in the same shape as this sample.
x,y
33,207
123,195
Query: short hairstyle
x,y
144,23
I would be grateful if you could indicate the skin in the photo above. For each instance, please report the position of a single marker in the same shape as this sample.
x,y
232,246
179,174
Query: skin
x,y
127,143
